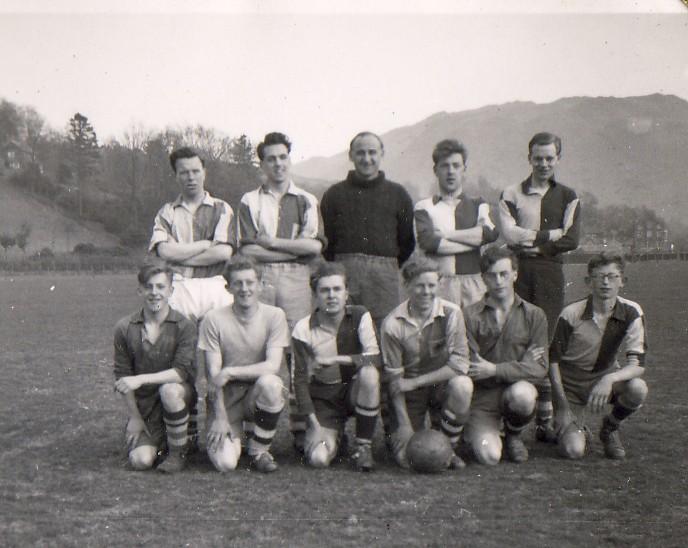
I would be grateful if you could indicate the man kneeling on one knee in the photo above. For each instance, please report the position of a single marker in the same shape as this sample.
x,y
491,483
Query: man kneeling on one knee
x,y
336,371
243,344
586,376
154,351
508,341
426,359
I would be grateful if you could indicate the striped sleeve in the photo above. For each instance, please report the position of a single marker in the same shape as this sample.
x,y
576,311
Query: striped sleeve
x,y
635,341
162,227
248,231
457,344
560,341
368,339
490,232
392,350
224,229
310,227
508,220
428,239
303,355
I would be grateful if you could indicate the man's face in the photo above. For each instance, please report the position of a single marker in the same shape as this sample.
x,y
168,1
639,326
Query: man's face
x,y
605,282
190,175
276,163
500,279
543,159
156,292
244,285
422,290
450,172
331,294
366,155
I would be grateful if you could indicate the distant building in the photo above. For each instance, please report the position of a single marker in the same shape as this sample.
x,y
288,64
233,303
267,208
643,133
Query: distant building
x,y
651,236
14,156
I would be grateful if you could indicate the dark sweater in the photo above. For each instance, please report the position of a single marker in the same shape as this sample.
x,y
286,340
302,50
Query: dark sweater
x,y
370,217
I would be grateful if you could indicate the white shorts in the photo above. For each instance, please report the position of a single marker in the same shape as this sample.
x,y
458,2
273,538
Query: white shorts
x,y
194,297
461,289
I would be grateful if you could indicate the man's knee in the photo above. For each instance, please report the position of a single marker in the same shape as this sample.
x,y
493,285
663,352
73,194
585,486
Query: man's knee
x,y
226,458
460,388
634,393
520,398
269,390
487,448
571,442
143,457
369,377
171,392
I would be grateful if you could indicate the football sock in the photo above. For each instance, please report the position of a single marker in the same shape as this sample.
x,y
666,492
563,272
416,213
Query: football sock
x,y
451,426
544,407
619,413
515,423
366,419
265,425
176,425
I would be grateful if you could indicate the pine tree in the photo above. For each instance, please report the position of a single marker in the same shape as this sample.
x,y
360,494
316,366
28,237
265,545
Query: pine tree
x,y
84,153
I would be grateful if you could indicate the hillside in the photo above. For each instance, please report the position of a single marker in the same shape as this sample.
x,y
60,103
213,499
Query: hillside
x,y
50,227
630,150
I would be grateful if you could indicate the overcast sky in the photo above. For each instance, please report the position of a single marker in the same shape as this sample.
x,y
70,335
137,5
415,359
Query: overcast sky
x,y
320,75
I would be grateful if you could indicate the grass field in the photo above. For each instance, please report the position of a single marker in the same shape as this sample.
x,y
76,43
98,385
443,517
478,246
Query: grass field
x,y
64,479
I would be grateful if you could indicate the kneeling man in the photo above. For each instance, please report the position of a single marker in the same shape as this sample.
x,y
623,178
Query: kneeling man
x,y
585,374
508,341
425,353
336,375
154,352
243,344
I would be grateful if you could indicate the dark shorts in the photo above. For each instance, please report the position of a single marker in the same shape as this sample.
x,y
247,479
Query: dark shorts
x,y
334,403
426,399
541,282
155,422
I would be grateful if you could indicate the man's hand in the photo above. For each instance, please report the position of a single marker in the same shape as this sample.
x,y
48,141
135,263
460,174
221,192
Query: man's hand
x,y
314,437
400,438
330,361
399,385
124,385
481,369
556,234
264,240
562,418
135,427
535,356
217,431
222,378
599,395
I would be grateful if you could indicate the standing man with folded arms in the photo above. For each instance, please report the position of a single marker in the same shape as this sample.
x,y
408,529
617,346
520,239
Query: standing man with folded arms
x,y
540,220
451,227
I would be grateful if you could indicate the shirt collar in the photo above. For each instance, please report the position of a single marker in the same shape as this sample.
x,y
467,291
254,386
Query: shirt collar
x,y
314,320
439,198
353,177
527,185
207,200
618,312
486,302
404,313
291,189
172,316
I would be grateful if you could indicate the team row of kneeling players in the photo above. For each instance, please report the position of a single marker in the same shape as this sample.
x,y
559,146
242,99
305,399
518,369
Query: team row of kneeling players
x,y
469,373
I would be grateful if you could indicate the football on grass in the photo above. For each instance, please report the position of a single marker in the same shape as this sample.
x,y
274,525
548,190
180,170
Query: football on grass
x,y
429,452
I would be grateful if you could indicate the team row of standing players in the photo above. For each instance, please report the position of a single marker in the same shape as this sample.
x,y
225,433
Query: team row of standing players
x,y
334,356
